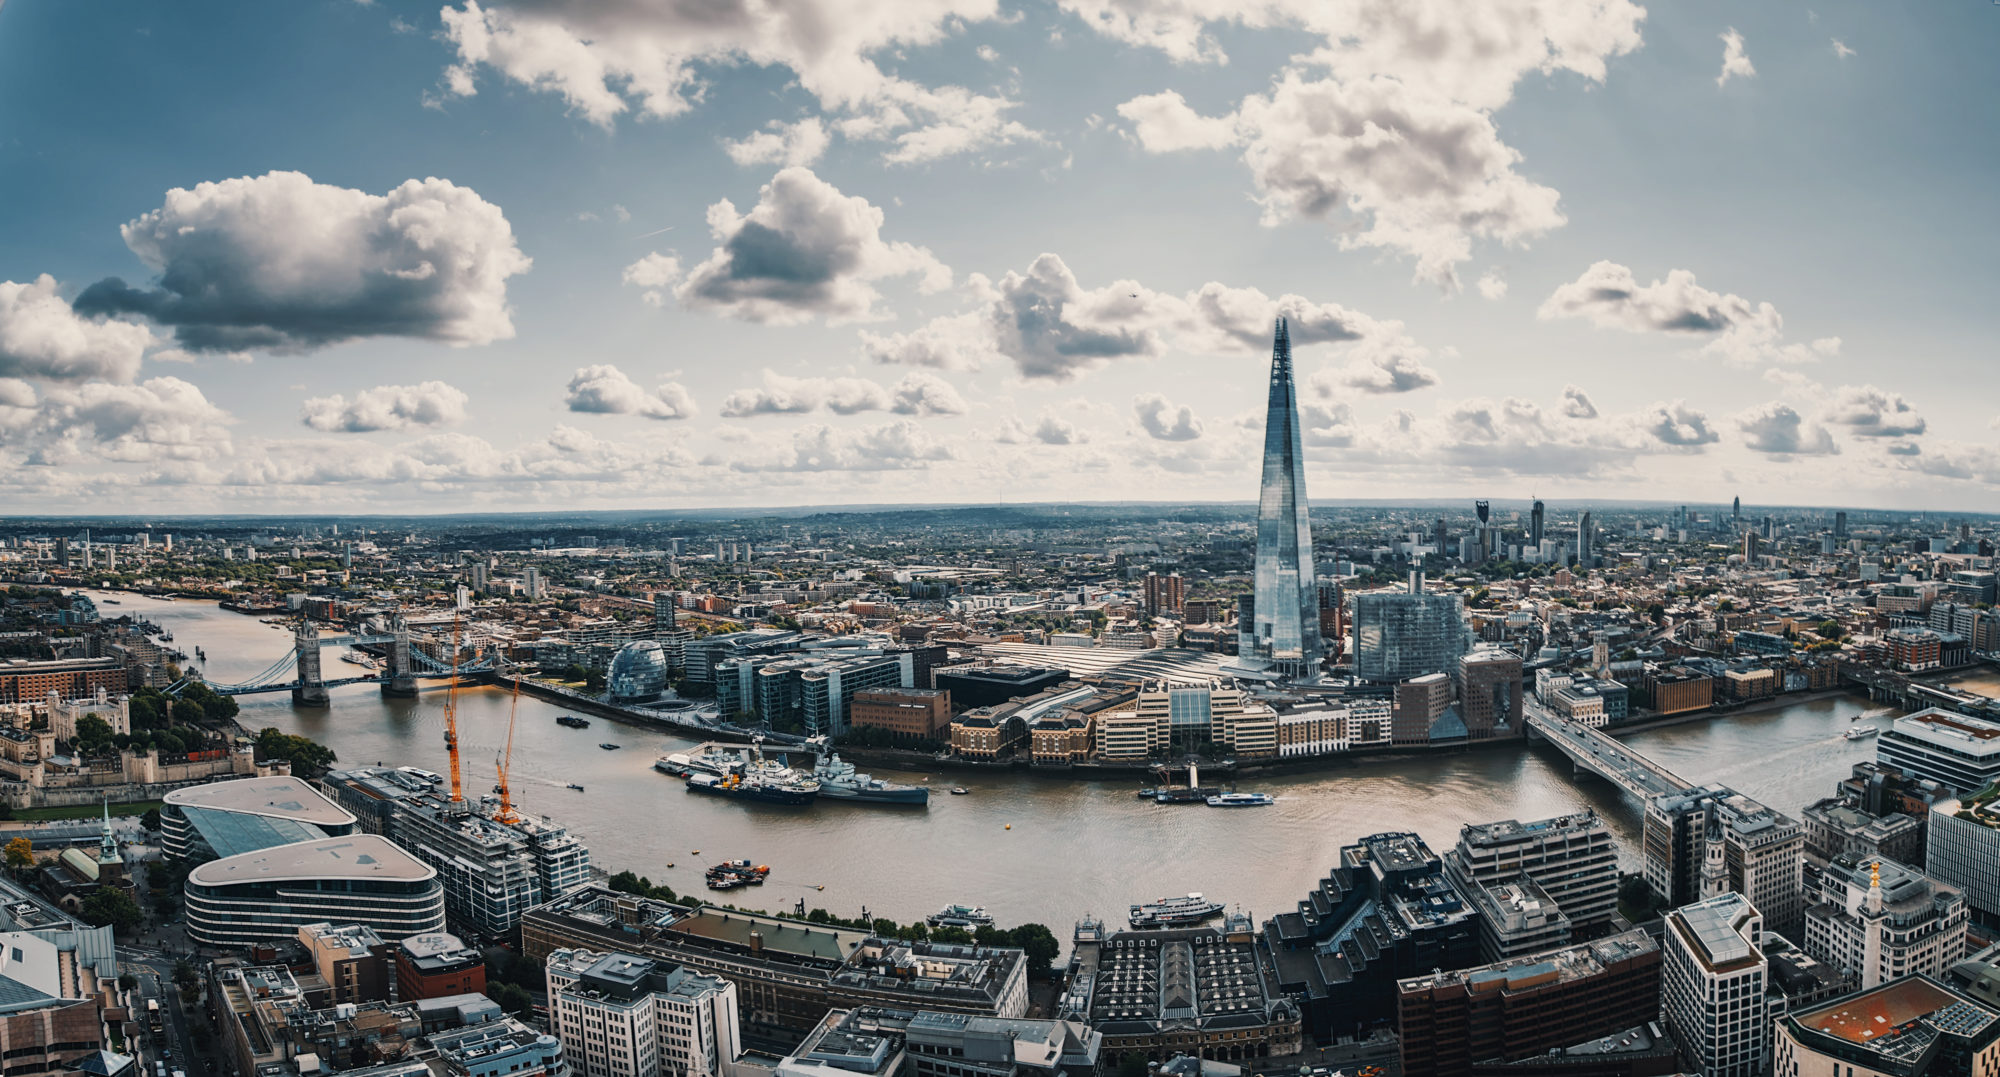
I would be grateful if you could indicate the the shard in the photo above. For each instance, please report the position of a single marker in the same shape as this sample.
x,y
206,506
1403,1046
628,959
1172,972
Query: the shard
x,y
1286,601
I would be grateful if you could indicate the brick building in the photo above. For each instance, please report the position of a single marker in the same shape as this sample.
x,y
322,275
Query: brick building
x,y
906,713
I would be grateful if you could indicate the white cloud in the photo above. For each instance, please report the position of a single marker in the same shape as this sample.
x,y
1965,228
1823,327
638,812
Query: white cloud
x,y
1577,403
656,273
605,59
951,342
154,420
921,393
605,390
918,393
1163,421
1164,123
387,407
1493,284
1841,50
1610,297
799,143
1048,429
1778,429
1735,63
42,337
1874,413
1674,423
805,250
1379,366
278,262
15,393
893,446
1054,328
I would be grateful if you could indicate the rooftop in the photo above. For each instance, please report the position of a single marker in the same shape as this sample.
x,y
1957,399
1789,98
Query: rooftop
x,y
360,856
278,797
1563,965
1960,732
1713,931
1901,1018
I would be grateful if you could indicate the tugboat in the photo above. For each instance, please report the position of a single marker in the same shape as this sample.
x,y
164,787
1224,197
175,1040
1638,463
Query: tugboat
x,y
839,780
571,721
1241,800
734,873
1173,912
965,916
794,791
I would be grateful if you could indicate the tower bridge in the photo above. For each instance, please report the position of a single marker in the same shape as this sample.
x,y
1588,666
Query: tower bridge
x,y
299,670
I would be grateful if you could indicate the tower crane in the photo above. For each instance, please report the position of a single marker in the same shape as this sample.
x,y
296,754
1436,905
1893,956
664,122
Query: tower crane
x,y
451,717
506,763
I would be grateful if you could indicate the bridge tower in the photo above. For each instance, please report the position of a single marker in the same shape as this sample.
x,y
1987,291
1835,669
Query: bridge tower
x,y
311,689
399,681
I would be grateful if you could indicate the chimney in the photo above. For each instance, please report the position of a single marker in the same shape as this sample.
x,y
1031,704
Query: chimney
x,y
756,942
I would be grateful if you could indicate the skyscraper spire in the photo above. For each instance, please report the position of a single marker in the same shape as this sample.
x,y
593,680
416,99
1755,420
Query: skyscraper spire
x,y
1286,601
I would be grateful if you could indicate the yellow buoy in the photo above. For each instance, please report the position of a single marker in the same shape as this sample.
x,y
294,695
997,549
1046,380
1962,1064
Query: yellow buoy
x,y
1010,826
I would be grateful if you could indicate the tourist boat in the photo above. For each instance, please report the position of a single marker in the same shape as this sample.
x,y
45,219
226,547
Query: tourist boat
x,y
1861,732
1241,800
838,780
959,790
609,747
712,761
793,791
1173,912
965,916
358,659
573,722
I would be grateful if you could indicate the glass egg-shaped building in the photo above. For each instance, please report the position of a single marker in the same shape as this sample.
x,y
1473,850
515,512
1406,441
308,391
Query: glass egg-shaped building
x,y
638,672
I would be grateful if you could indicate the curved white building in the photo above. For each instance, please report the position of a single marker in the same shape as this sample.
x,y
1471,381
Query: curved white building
x,y
269,894
229,818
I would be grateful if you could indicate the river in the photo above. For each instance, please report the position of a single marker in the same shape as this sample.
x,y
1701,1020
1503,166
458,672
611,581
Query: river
x,y
1028,847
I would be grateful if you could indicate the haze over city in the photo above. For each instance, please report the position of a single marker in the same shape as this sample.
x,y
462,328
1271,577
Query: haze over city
x,y
402,257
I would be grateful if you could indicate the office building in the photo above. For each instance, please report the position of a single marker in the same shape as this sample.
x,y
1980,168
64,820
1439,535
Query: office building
x,y
1878,920
1586,541
1952,749
1835,827
437,965
846,1044
870,1039
1198,991
1912,1027
638,672
1164,596
502,1047
1714,981
352,959
622,1015
245,815
1284,635
787,972
1516,917
1449,1021
1489,693
30,681
973,686
1679,689
1711,839
1963,848
56,988
919,714
1398,635
1536,517
267,895
1385,912
1571,857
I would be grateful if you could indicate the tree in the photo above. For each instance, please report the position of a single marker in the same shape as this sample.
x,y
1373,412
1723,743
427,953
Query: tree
x,y
303,753
1040,944
150,820
20,853
93,735
127,981
111,905
183,973
1132,1065
512,998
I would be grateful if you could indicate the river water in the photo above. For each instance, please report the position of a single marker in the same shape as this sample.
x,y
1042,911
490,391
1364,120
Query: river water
x,y
1028,847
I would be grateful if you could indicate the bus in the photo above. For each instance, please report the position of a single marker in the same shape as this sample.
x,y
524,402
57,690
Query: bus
x,y
153,1015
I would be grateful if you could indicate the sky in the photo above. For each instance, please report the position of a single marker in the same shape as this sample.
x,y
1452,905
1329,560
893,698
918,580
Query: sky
x,y
334,256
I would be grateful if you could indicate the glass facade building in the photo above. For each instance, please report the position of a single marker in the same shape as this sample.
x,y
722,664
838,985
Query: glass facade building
x,y
1963,848
1399,636
638,672
1286,610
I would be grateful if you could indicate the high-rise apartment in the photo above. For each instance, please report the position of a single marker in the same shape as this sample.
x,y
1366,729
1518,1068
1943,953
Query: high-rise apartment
x,y
1285,634
1164,594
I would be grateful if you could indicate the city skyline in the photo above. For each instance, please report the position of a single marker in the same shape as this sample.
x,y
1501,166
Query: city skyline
x,y
508,257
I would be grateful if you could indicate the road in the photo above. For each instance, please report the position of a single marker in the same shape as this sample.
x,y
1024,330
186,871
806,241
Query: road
x,y
155,971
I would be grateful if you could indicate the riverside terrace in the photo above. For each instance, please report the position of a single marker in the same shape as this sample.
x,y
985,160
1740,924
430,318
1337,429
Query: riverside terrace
x,y
787,972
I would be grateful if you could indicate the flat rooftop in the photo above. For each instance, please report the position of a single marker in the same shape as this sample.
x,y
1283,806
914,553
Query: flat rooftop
x,y
278,797
1960,731
1891,1011
359,856
792,937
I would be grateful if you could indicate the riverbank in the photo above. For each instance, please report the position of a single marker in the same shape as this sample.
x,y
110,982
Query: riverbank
x,y
1762,706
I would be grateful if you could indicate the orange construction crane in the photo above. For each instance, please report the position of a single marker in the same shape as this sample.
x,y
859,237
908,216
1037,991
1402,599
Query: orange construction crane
x,y
451,717
506,762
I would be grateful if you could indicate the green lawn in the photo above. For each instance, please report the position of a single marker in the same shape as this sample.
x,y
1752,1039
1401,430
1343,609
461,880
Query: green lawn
x,y
82,811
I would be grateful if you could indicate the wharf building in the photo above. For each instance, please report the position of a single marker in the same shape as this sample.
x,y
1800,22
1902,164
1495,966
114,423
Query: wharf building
x,y
1189,991
1711,839
913,714
1282,633
1952,749
622,1015
1912,1027
871,1040
1385,912
787,973
1450,1022
492,871
1878,921
1963,848
1715,987
1572,858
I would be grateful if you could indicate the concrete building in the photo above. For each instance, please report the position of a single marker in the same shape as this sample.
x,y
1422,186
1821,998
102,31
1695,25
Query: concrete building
x,y
1910,1027
352,959
267,895
990,685
1198,991
1711,839
1879,920
923,1043
1713,987
1952,749
1517,917
1963,848
1450,1021
1836,828
437,965
622,1015
499,1048
1571,857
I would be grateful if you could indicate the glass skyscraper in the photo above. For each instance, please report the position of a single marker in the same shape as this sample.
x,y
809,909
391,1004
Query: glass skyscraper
x,y
1286,604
